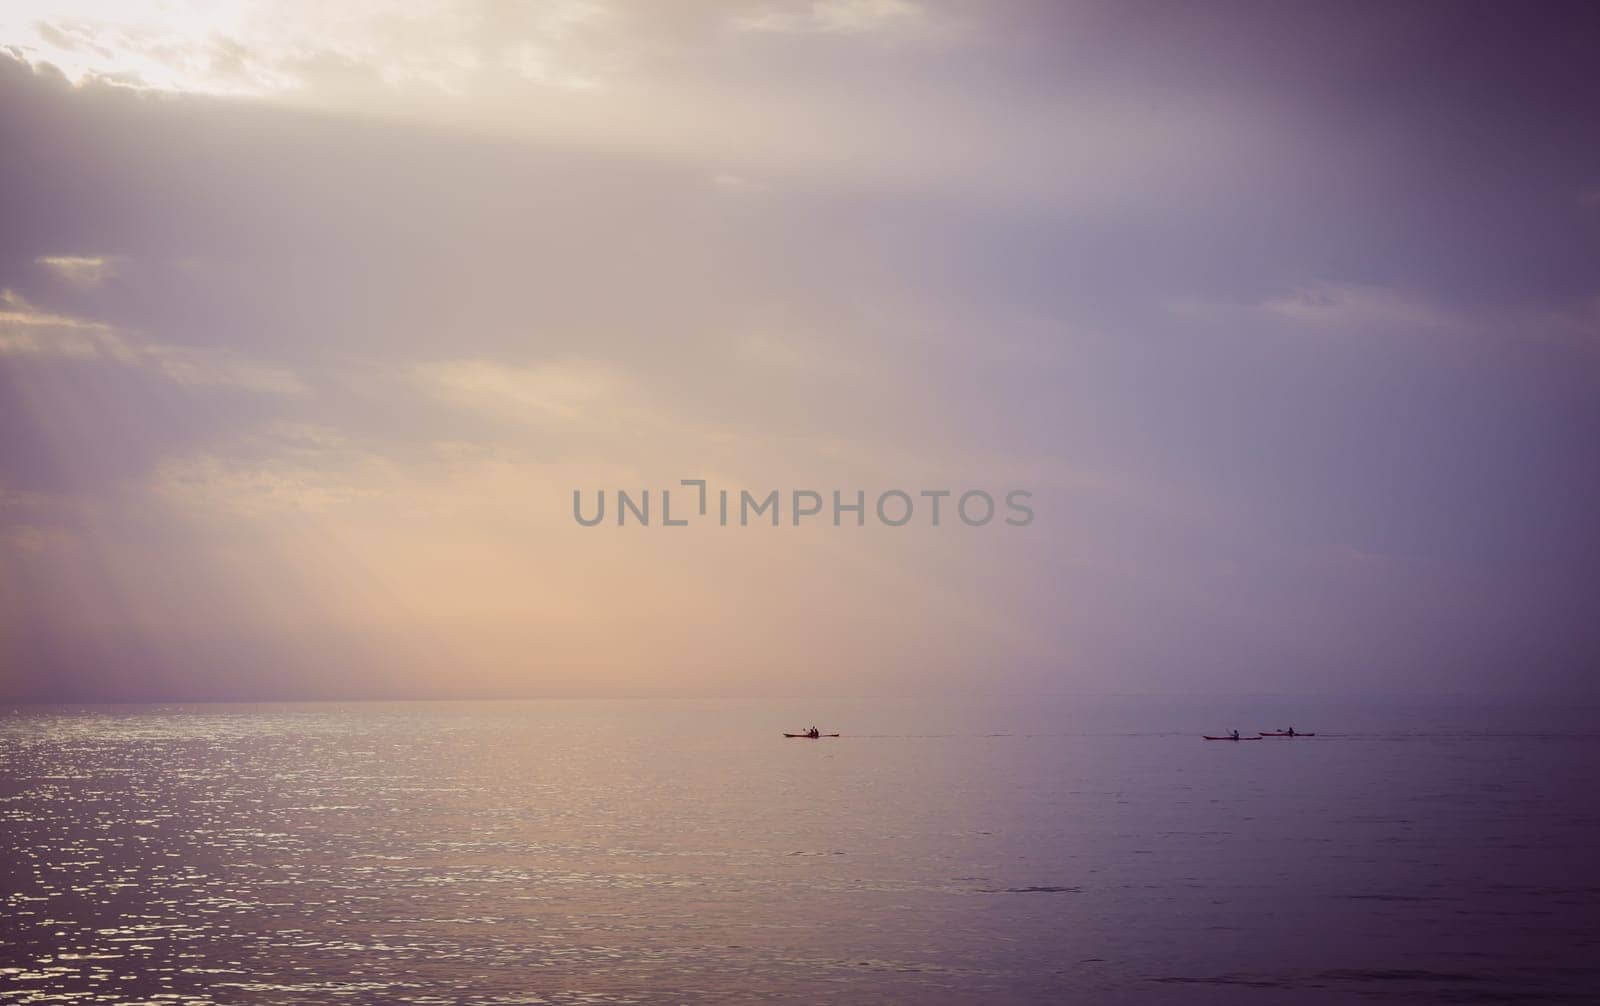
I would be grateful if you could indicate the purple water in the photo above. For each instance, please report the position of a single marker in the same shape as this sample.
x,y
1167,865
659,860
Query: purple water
x,y
1090,850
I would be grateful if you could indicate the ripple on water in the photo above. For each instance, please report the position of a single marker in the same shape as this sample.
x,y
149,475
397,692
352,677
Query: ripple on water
x,y
524,854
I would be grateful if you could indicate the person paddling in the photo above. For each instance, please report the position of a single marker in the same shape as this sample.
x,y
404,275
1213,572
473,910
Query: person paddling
x,y
1233,734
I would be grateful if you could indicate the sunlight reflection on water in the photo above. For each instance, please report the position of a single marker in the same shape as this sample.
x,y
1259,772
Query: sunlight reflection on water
x,y
642,852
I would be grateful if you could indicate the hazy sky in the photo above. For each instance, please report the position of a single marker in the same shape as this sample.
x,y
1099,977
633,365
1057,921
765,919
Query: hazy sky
x,y
315,314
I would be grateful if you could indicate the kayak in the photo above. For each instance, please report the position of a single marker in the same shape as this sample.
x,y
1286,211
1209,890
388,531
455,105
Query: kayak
x,y
811,738
1208,737
1285,733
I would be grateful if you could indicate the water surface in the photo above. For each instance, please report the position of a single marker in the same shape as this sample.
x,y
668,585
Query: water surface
x,y
585,852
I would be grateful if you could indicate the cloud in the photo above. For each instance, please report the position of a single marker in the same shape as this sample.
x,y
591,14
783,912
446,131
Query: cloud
x,y
83,271
1328,307
220,368
737,184
256,49
770,351
651,237
683,83
1577,326
834,17
28,331
1331,306
211,483
785,352
1336,310
562,390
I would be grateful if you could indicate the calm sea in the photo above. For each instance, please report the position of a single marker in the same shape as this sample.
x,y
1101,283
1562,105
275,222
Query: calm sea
x,y
1085,850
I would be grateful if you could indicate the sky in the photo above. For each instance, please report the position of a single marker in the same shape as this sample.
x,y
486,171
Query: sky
x,y
315,316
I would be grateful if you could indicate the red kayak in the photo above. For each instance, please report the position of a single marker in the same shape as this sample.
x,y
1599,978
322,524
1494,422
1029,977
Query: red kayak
x,y
1284,733
1211,738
